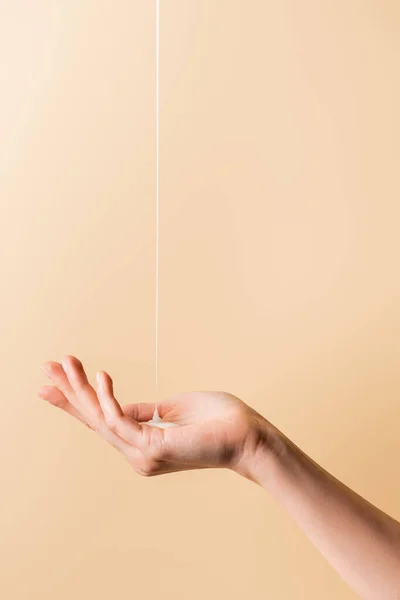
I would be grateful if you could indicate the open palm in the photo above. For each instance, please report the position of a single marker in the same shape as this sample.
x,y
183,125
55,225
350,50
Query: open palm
x,y
214,428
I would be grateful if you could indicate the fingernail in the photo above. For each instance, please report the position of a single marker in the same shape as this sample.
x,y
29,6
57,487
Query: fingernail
x,y
98,379
45,370
64,365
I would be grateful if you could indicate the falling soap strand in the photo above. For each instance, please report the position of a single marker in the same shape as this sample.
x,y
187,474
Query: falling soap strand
x,y
157,421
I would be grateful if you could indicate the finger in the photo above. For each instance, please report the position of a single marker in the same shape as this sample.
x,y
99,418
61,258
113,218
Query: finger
x,y
84,392
140,412
54,396
58,376
126,427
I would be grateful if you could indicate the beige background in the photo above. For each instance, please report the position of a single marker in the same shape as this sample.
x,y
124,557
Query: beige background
x,y
279,277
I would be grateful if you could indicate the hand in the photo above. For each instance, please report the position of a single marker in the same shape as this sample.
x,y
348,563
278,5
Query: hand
x,y
215,429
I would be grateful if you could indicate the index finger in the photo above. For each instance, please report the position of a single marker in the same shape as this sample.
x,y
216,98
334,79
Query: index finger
x,y
126,427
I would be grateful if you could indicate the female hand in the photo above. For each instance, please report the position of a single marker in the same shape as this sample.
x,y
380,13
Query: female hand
x,y
218,430
215,429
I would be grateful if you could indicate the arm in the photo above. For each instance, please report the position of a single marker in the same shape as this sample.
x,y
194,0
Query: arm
x,y
218,430
361,542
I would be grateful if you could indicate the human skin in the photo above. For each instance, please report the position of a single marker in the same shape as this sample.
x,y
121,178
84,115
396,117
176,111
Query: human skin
x,y
218,430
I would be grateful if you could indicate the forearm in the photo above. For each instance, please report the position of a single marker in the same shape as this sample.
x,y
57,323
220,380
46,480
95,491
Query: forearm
x,y
361,542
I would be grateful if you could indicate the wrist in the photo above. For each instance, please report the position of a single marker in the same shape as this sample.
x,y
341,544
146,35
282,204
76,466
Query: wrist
x,y
261,452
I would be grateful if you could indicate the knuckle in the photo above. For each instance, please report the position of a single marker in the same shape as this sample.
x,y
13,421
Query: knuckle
x,y
111,422
83,387
58,402
97,423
